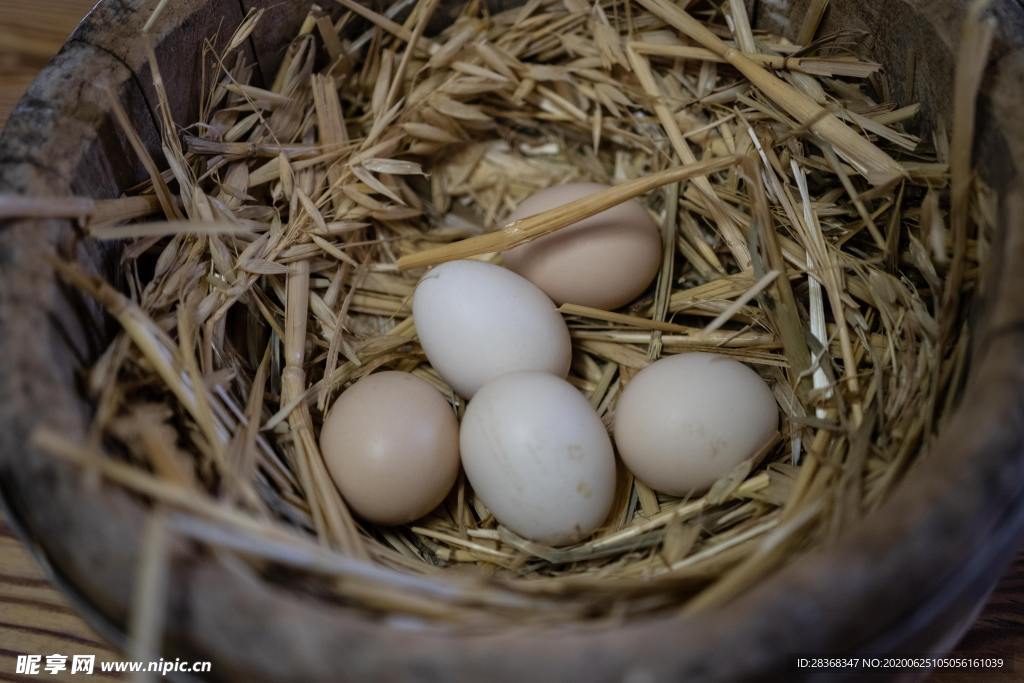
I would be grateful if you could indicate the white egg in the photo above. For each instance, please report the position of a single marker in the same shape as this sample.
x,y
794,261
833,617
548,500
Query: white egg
x,y
539,457
478,321
685,421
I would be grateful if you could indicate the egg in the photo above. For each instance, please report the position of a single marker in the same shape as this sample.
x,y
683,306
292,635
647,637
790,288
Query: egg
x,y
604,261
391,445
477,321
539,457
685,421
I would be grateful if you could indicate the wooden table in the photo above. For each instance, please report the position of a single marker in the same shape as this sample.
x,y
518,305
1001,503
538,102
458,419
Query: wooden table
x,y
36,619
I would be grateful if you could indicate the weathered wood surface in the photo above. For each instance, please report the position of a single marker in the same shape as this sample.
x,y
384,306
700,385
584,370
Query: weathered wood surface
x,y
35,618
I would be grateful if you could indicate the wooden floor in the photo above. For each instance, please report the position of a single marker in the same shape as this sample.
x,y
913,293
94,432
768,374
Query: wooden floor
x,y
36,619
30,32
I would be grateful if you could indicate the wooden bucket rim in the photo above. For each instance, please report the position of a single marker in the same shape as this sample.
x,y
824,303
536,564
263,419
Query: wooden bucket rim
x,y
969,492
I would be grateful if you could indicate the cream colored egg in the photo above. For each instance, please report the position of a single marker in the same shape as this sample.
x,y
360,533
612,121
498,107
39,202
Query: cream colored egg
x,y
685,421
539,457
604,261
477,321
391,445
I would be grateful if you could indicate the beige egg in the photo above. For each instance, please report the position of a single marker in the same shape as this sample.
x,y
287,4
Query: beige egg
x,y
604,261
391,444
685,421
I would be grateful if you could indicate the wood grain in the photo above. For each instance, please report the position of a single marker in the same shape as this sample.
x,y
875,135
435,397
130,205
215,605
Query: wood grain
x,y
36,619
31,31
999,632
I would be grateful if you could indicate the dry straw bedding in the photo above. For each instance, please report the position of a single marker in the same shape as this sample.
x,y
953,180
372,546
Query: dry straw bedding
x,y
271,257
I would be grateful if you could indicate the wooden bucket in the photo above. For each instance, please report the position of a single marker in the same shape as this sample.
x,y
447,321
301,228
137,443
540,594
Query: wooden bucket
x,y
907,581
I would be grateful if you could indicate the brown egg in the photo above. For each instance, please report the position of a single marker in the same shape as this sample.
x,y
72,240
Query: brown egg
x,y
604,261
391,444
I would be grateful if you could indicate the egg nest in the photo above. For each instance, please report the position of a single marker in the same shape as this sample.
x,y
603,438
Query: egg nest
x,y
265,278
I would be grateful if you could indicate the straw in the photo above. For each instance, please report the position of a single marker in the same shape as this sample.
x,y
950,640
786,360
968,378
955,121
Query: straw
x,y
816,66
530,228
877,166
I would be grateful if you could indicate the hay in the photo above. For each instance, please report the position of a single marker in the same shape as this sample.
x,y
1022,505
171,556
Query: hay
x,y
808,234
